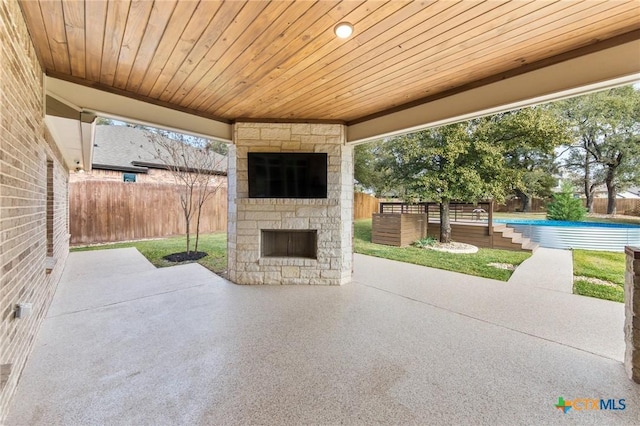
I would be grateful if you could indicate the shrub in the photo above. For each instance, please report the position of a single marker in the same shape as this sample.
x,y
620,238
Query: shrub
x,y
425,242
565,207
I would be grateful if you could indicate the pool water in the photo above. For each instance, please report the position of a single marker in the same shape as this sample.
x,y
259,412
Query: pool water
x,y
581,235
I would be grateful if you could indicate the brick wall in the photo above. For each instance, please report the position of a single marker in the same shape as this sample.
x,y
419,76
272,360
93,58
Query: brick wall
x,y
25,148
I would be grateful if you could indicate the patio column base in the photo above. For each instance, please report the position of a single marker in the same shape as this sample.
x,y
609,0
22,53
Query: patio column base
x,y
632,313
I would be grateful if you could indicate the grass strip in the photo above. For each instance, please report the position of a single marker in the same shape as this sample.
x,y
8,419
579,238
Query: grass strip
x,y
471,264
215,245
604,265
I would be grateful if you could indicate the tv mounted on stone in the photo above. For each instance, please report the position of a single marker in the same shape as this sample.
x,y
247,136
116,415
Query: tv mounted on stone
x,y
287,175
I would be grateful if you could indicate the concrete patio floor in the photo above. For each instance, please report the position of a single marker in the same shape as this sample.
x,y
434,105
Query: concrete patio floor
x,y
125,343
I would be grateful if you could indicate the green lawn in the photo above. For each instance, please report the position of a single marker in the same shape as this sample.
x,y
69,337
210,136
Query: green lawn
x,y
520,215
608,266
632,220
216,261
603,265
472,264
213,244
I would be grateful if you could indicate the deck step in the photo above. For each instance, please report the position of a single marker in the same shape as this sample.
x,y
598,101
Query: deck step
x,y
520,240
516,238
509,233
504,237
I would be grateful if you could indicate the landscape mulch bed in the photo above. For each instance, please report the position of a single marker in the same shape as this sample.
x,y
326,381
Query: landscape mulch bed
x,y
185,256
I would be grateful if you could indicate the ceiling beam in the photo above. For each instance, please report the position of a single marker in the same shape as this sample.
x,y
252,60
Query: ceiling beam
x,y
116,106
57,108
613,66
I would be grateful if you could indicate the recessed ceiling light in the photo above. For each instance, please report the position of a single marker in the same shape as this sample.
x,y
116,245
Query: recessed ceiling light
x,y
343,30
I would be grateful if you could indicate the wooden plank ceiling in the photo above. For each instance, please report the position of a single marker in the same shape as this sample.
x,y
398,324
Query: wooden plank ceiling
x,y
281,60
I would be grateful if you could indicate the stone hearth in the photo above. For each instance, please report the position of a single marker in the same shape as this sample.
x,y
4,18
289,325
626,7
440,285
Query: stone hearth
x,y
329,220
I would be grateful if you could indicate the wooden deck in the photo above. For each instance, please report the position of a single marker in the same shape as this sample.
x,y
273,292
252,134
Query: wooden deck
x,y
402,229
398,229
477,234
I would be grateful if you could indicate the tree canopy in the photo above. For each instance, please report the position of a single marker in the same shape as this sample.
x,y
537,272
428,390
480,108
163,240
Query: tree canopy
x,y
447,164
486,158
606,140
526,138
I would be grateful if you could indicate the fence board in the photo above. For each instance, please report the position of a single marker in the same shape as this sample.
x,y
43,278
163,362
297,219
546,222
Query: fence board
x,y
364,206
101,212
624,206
538,205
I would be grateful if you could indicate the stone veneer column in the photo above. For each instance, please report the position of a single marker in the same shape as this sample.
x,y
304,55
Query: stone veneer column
x,y
332,217
632,313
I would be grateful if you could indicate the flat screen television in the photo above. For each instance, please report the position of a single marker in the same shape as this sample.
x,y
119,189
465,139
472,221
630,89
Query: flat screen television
x,y
287,175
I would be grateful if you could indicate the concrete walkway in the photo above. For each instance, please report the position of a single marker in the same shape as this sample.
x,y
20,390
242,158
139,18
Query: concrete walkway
x,y
402,344
551,269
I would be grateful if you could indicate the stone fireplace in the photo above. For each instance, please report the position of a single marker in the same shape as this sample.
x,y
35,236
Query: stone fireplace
x,y
291,240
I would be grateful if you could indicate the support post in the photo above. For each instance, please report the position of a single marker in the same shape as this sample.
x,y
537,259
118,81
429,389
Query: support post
x,y
490,218
632,313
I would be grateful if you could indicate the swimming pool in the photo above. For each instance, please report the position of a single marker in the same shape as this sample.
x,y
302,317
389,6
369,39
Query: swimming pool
x,y
581,235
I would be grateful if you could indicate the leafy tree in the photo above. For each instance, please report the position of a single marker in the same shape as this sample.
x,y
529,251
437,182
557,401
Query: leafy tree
x,y
584,172
364,167
528,137
448,164
102,121
488,157
371,172
565,206
607,140
219,147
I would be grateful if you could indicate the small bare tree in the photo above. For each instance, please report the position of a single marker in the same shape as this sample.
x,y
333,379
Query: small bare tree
x,y
195,168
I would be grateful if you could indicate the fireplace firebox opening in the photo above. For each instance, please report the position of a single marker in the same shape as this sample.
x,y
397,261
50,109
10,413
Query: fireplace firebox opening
x,y
289,243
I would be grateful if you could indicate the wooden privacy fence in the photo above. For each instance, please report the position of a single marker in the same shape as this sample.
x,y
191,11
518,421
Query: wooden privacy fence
x,y
627,206
101,212
364,205
624,206
538,205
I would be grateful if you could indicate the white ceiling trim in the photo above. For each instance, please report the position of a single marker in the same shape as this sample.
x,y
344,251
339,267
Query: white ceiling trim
x,y
603,69
67,135
110,105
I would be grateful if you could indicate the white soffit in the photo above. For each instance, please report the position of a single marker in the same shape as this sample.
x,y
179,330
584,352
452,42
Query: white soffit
x,y
603,69
107,104
67,135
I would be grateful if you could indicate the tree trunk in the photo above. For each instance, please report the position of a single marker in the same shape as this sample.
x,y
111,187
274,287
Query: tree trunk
x,y
589,202
188,237
526,201
198,227
611,192
588,188
445,223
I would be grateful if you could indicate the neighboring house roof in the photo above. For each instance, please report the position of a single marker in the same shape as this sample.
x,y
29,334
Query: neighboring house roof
x,y
129,149
633,192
